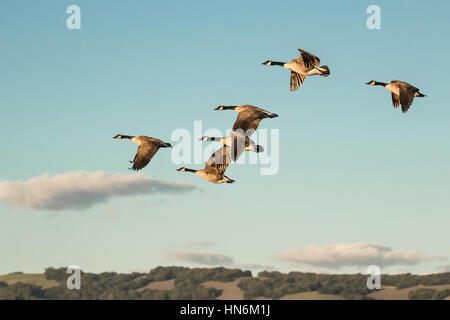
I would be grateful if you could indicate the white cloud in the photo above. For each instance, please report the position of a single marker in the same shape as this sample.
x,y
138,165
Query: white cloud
x,y
197,255
202,258
335,256
81,190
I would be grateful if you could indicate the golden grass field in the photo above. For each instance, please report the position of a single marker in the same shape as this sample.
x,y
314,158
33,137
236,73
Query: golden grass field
x,y
230,289
31,278
160,285
391,293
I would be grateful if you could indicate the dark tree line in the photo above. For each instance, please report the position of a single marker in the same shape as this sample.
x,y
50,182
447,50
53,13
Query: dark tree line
x,y
428,294
408,280
276,285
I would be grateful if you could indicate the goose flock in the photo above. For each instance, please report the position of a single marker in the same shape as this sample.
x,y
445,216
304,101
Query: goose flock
x,y
249,117
234,145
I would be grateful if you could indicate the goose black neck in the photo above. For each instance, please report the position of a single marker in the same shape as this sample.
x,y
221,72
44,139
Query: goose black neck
x,y
228,107
380,84
277,63
127,137
190,170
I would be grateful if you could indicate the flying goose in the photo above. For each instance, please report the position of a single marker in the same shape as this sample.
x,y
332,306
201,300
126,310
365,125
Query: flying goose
x,y
305,65
147,148
248,118
215,167
402,93
237,142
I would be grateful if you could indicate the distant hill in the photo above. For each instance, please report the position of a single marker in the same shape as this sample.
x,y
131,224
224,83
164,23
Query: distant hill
x,y
166,283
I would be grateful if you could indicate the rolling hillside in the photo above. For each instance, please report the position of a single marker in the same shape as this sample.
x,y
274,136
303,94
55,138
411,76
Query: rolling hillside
x,y
165,283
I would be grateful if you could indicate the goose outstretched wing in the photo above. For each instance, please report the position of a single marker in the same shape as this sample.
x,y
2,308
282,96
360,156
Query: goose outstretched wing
x,y
309,60
395,100
144,154
247,121
249,118
218,162
296,80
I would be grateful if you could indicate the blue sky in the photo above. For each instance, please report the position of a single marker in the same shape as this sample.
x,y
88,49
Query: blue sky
x,y
352,169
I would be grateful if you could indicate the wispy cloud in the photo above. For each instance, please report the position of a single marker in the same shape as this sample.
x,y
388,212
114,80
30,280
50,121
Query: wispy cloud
x,y
335,256
81,190
202,258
